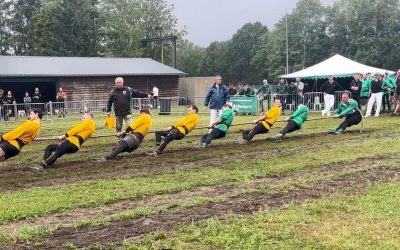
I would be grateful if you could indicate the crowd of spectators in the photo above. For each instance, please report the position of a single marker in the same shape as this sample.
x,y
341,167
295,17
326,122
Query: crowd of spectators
x,y
30,101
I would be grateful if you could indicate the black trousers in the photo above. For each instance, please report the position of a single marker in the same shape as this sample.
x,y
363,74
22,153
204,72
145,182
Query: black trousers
x,y
357,98
258,129
128,144
55,151
386,102
169,136
214,134
290,127
352,119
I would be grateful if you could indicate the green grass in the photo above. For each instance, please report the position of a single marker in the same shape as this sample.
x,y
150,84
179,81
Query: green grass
x,y
41,201
366,221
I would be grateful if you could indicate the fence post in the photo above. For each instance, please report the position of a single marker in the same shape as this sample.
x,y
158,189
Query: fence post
x,y
16,112
51,109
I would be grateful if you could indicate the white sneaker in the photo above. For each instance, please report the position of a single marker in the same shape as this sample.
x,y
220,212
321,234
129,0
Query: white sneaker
x,y
36,168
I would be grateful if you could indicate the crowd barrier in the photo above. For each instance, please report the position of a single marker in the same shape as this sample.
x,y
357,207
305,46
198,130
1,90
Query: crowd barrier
x,y
162,106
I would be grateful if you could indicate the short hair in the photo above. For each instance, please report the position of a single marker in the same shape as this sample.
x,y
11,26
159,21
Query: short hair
x,y
119,78
228,105
90,114
218,76
38,112
278,99
194,107
346,93
146,111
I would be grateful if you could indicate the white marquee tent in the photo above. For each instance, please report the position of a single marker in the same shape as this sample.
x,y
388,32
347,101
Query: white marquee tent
x,y
337,66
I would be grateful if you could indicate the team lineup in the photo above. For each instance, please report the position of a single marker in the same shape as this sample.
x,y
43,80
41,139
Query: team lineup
x,y
222,116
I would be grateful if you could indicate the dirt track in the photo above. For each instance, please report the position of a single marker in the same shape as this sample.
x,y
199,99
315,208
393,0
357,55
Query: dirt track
x,y
137,228
70,177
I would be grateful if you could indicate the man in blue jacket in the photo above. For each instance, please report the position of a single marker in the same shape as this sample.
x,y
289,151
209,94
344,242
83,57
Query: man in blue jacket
x,y
216,98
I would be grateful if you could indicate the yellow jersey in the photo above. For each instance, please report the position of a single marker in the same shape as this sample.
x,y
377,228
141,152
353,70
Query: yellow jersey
x,y
141,125
272,116
23,134
189,122
81,132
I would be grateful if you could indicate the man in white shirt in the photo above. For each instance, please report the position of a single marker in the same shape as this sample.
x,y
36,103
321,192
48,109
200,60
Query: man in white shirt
x,y
155,97
300,85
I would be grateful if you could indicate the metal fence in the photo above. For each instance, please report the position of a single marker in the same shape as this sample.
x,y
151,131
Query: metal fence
x,y
162,106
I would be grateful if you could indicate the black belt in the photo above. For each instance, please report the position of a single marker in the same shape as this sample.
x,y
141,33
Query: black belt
x,y
186,130
80,139
20,142
269,124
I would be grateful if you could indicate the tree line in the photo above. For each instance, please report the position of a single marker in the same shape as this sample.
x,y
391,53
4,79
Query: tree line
x,y
364,30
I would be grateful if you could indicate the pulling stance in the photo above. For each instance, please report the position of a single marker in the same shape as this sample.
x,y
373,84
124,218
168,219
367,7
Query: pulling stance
x,y
295,121
12,142
72,141
133,135
265,122
177,131
219,127
347,108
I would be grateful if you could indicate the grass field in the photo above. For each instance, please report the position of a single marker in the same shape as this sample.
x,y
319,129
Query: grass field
x,y
313,191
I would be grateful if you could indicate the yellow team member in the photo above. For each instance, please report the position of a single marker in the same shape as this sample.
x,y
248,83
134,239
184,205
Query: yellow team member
x,y
11,143
178,131
133,135
72,141
265,123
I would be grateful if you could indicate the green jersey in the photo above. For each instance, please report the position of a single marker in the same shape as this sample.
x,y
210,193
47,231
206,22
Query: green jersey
x,y
226,120
365,87
293,90
344,109
281,89
387,85
300,115
265,90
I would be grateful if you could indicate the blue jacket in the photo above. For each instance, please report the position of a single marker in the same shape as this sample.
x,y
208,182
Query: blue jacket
x,y
216,98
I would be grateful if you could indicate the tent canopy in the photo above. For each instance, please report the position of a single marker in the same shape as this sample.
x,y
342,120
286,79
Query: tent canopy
x,y
337,66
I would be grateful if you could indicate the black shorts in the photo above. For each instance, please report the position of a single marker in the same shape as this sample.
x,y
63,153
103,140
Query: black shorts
x,y
9,149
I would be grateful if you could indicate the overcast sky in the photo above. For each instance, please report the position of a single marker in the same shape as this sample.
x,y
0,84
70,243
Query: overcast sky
x,y
217,20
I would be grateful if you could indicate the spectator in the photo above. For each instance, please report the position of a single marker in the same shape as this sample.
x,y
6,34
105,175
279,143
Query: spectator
x,y
216,98
365,88
155,94
328,88
293,95
37,97
355,89
387,88
376,95
232,90
121,97
27,102
60,98
265,91
246,90
281,93
300,85
397,92
9,100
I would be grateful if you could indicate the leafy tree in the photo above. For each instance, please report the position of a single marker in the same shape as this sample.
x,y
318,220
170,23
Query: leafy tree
x,y
241,50
214,61
189,58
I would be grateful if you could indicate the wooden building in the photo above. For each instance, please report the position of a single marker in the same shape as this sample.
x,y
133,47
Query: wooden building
x,y
84,78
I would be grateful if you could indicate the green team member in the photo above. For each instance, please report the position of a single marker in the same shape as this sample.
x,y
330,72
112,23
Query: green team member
x,y
347,108
387,89
295,121
220,126
365,87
